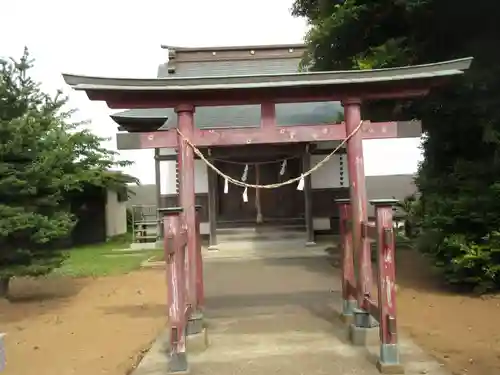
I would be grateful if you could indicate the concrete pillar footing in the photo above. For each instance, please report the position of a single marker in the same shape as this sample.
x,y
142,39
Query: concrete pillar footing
x,y
178,363
365,329
363,319
198,342
361,336
348,308
390,368
388,362
194,323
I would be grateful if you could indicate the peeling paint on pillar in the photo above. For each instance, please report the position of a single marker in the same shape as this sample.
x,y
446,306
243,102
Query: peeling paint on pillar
x,y
174,246
355,163
389,350
185,123
348,278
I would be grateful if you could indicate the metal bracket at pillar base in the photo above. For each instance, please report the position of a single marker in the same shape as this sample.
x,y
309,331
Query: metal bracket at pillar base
x,y
363,319
213,248
388,362
310,243
178,363
195,323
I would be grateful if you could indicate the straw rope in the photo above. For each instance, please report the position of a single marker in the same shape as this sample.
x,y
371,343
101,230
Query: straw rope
x,y
275,185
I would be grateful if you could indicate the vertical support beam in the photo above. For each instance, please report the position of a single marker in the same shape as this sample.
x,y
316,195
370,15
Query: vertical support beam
x,y
160,231
185,123
306,165
267,115
200,288
212,208
175,252
356,168
195,324
349,298
388,362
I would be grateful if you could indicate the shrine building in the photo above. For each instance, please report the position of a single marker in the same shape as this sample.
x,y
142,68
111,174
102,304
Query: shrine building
x,y
225,205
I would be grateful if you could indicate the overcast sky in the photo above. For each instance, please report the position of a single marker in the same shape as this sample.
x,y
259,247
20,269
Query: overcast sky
x,y
122,39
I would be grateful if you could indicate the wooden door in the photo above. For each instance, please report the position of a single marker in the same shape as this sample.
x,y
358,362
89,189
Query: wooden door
x,y
276,204
285,202
231,206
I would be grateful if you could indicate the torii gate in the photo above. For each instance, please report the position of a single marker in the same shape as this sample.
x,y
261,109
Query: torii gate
x,y
351,88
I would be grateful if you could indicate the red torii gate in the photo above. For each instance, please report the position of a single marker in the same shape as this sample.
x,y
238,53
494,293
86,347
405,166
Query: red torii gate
x,y
351,88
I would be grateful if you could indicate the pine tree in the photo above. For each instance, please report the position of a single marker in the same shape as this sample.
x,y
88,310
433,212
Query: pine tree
x,y
43,158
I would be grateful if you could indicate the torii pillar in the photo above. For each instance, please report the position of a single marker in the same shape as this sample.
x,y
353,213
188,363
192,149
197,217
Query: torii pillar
x,y
185,155
358,198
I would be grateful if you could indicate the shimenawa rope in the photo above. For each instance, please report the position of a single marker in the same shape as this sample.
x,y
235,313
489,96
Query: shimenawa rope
x,y
269,186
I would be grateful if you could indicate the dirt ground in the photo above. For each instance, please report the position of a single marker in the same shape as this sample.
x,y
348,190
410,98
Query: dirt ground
x,y
62,326
460,331
82,326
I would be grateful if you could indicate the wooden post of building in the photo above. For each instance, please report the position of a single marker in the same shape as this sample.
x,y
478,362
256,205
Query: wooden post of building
x,y
200,288
212,208
357,184
388,362
160,232
306,165
349,298
185,123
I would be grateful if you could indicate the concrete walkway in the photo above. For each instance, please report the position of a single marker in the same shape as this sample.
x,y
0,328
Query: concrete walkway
x,y
279,316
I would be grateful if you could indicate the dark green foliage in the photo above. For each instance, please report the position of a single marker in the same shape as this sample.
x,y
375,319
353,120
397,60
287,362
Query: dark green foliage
x,y
459,208
44,158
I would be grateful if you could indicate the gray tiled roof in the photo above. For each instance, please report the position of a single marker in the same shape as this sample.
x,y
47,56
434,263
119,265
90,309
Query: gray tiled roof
x,y
231,68
241,116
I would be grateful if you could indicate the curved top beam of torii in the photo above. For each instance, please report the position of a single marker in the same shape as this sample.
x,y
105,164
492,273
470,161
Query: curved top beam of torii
x,y
127,93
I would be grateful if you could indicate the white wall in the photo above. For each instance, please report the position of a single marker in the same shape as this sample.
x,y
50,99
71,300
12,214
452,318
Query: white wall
x,y
116,215
167,177
167,151
328,175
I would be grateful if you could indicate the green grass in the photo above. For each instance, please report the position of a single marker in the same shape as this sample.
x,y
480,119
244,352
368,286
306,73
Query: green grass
x,y
92,261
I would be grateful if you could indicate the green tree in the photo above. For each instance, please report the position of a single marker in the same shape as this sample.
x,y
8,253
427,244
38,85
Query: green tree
x,y
44,157
459,177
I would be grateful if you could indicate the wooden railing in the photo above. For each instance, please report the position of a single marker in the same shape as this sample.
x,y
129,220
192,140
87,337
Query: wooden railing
x,y
362,310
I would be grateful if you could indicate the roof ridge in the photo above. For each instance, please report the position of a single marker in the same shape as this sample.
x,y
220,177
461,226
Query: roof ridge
x,y
234,48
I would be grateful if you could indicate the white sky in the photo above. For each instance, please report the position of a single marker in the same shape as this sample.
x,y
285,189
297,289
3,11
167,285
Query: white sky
x,y
122,39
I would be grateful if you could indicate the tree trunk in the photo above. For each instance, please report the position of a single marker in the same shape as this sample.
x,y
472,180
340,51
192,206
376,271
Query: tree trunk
x,y
408,229
4,287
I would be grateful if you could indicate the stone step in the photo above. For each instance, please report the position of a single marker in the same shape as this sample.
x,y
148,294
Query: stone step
x,y
268,222
253,234
263,229
255,237
263,248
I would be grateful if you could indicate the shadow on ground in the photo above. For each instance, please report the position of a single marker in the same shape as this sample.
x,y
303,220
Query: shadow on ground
x,y
146,310
35,296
